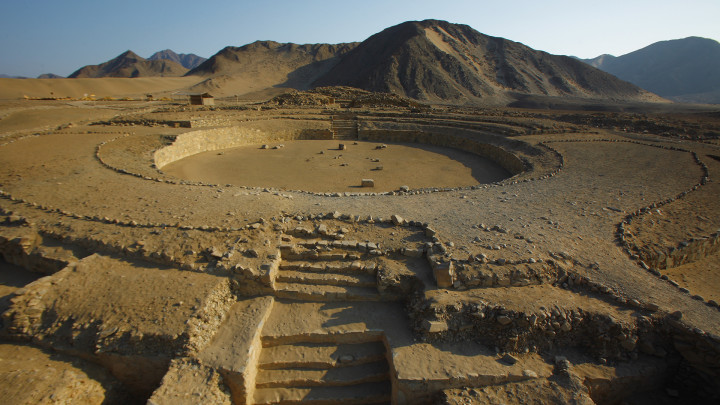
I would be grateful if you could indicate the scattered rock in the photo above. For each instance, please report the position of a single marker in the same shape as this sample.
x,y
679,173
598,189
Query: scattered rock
x,y
529,374
503,320
397,220
509,359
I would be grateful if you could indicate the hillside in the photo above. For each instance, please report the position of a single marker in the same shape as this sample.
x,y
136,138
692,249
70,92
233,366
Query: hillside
x,y
129,64
438,61
187,60
682,69
264,64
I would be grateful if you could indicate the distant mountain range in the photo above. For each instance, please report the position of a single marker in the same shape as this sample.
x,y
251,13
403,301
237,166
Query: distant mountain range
x,y
437,61
428,60
685,70
129,64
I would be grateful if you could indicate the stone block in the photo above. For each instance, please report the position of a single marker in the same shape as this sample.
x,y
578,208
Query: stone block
x,y
435,326
444,273
368,183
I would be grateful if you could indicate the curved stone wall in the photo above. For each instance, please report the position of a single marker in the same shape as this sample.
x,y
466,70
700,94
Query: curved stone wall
x,y
507,160
482,144
194,142
498,148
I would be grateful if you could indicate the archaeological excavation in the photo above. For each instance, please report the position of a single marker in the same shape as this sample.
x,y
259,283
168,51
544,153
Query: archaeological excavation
x,y
323,252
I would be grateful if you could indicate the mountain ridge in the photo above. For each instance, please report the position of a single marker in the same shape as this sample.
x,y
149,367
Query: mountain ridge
x,y
686,69
129,64
265,64
187,60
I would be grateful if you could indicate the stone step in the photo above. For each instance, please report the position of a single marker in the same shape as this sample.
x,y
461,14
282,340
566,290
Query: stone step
x,y
321,266
320,355
334,254
301,277
312,242
308,292
323,377
367,393
350,334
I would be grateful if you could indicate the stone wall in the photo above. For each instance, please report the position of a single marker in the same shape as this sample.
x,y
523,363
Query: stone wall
x,y
254,132
493,147
687,252
505,159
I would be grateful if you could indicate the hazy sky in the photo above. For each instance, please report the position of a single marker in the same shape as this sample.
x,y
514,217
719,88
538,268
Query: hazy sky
x,y
60,36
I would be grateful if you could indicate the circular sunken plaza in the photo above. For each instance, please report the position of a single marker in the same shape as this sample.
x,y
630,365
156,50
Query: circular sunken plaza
x,y
270,255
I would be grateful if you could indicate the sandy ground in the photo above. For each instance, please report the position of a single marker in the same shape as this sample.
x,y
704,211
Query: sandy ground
x,y
320,166
701,277
105,87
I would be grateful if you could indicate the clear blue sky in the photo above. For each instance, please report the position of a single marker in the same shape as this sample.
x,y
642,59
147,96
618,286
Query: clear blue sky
x,y
60,36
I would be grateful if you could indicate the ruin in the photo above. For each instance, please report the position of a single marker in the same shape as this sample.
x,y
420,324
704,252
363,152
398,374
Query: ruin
x,y
550,282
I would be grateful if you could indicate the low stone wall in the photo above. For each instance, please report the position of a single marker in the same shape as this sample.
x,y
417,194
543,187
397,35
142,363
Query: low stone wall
x,y
505,159
191,143
487,145
687,252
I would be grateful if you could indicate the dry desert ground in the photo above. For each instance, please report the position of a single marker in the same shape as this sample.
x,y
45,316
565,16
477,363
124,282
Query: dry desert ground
x,y
170,254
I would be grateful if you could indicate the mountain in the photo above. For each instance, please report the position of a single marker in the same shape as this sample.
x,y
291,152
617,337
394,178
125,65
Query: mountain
x,y
683,69
129,64
187,60
264,64
2,76
438,61
50,76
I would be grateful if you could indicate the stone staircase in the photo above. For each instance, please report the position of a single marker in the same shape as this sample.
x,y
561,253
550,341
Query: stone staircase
x,y
344,127
323,369
322,270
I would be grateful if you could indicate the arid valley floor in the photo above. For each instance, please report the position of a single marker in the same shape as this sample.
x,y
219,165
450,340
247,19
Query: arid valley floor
x,y
171,254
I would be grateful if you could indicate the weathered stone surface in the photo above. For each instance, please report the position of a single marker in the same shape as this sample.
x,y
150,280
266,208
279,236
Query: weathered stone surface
x,y
368,183
444,273
435,326
509,359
